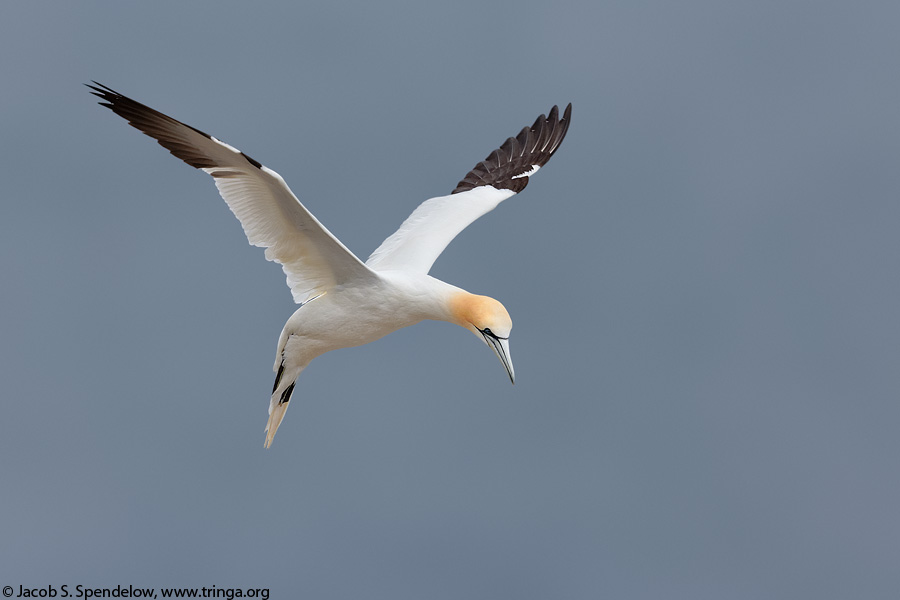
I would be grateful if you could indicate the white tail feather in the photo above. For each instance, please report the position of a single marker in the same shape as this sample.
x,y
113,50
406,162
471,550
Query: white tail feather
x,y
276,414
284,390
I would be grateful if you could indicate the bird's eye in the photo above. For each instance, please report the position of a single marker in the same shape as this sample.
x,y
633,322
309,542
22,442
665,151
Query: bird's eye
x,y
488,331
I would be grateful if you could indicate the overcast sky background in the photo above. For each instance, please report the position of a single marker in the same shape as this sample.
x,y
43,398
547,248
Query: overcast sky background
x,y
704,283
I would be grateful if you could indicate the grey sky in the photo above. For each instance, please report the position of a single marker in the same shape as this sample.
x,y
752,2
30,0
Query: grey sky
x,y
703,282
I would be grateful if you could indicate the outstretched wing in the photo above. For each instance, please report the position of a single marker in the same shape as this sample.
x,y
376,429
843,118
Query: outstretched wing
x,y
427,231
271,215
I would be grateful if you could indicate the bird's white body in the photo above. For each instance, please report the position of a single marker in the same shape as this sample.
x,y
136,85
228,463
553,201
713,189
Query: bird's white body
x,y
353,315
343,301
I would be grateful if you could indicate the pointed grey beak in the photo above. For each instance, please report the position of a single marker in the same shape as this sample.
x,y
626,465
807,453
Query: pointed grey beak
x,y
500,346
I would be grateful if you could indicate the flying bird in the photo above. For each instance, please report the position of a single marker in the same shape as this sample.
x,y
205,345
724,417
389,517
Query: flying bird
x,y
344,301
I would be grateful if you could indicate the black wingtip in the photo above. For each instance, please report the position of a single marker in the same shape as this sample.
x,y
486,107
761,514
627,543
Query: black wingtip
x,y
505,167
102,91
148,121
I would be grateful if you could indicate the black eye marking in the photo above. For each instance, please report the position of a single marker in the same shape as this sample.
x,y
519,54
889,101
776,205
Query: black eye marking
x,y
487,331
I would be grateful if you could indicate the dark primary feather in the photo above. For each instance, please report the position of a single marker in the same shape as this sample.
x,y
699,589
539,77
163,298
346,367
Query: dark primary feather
x,y
532,147
172,135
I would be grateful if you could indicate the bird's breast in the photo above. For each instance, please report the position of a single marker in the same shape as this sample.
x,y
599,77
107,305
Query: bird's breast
x,y
346,317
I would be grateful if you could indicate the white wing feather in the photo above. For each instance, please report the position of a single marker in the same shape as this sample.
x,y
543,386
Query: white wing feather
x,y
431,227
424,235
313,259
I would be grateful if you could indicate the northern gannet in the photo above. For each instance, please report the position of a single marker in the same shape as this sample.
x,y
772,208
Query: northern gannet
x,y
343,301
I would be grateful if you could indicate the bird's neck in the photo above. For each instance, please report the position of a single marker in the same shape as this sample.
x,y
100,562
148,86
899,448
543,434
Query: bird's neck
x,y
455,305
431,298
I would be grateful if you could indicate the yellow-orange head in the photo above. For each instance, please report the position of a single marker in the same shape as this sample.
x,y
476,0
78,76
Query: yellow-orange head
x,y
488,319
478,313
